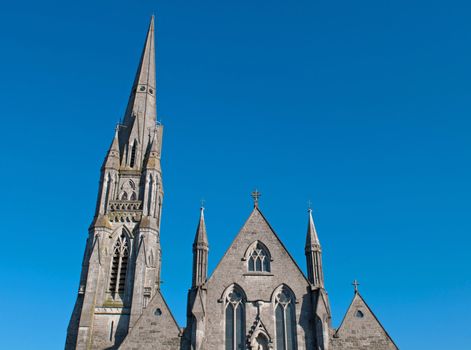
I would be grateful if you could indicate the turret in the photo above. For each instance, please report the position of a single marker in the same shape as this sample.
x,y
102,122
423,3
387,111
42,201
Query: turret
x,y
313,255
109,177
200,253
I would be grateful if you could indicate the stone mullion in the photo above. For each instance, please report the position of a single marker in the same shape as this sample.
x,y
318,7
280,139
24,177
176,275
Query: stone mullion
x,y
234,327
285,337
118,272
153,197
145,206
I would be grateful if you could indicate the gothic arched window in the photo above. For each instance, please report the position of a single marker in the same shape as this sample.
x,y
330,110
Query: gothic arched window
x,y
285,317
235,319
258,258
119,265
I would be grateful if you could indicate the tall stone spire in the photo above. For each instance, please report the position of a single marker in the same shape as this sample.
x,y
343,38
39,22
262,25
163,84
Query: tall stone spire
x,y
313,255
200,253
141,114
122,260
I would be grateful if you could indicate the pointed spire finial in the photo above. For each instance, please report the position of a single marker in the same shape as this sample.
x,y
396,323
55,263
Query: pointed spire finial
x,y
141,112
202,201
201,236
355,285
256,196
311,238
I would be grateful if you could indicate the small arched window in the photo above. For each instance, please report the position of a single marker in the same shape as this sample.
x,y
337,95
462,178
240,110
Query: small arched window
x,y
285,316
235,319
359,314
119,266
124,196
258,258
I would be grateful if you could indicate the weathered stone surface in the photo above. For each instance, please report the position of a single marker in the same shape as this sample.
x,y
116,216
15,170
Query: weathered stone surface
x,y
361,330
156,329
259,287
119,303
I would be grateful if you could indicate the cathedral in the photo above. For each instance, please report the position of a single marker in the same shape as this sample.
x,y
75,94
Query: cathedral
x,y
257,297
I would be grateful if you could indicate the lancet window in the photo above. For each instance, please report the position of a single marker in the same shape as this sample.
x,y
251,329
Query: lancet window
x,y
119,266
133,154
285,317
259,258
235,319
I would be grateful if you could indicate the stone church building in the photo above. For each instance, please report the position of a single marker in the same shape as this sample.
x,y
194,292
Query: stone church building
x,y
257,298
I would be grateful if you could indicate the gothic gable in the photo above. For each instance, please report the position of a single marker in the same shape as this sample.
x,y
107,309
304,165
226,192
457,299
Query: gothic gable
x,y
361,330
258,265
255,253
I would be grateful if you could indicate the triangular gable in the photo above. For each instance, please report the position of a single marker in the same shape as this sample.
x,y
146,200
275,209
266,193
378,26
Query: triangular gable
x,y
256,228
155,329
360,327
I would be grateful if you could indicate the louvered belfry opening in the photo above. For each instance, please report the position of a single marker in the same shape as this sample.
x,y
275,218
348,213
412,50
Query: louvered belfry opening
x,y
119,266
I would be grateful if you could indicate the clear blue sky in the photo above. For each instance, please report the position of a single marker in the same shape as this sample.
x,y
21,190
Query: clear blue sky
x,y
362,107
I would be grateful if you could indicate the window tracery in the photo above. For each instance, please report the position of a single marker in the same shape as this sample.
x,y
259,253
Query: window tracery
x,y
119,264
235,319
259,258
285,320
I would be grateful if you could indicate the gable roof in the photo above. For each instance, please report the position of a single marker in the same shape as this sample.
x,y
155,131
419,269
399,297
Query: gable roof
x,y
351,321
256,211
156,328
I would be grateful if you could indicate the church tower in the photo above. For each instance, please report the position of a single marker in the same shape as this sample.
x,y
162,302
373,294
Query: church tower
x,y
121,264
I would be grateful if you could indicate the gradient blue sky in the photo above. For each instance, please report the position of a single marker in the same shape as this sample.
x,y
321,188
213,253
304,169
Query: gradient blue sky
x,y
361,106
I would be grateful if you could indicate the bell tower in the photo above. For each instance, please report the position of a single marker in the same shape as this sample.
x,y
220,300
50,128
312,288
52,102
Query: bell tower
x,y
121,264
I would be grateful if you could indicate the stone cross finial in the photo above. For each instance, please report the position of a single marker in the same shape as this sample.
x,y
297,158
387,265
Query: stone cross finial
x,y
256,195
355,285
309,206
202,203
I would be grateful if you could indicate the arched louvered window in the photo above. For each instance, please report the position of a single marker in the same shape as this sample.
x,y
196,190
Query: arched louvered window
x,y
285,316
119,266
235,319
133,154
259,258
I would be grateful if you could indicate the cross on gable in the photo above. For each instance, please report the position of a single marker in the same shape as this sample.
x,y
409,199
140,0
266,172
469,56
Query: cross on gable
x,y
355,285
256,195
